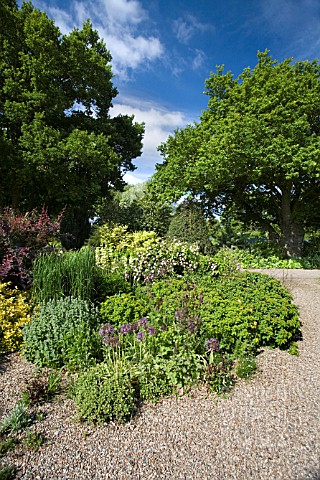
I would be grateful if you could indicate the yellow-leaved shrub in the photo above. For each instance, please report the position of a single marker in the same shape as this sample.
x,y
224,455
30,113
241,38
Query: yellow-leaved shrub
x,y
15,312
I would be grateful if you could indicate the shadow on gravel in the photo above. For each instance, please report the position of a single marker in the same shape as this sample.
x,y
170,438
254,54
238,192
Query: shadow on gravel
x,y
4,362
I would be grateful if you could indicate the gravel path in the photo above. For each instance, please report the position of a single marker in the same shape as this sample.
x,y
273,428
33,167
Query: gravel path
x,y
267,429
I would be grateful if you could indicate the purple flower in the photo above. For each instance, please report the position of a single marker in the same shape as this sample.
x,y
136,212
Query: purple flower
x,y
140,336
152,331
191,326
106,330
142,322
124,329
213,345
163,328
114,342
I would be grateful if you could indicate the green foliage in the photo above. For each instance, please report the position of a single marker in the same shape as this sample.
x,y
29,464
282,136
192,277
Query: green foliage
x,y
246,366
63,332
7,444
143,258
189,225
17,420
218,374
231,259
136,208
42,386
111,284
293,349
105,392
72,274
228,260
250,308
254,154
123,308
15,312
54,152
33,439
8,473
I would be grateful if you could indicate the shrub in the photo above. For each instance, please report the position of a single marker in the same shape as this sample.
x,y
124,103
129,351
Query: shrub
x,y
142,257
8,473
15,312
22,236
70,274
111,284
248,307
105,392
63,332
123,308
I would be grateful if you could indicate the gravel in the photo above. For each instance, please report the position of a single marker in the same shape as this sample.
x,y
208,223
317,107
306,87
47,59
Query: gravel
x,y
267,429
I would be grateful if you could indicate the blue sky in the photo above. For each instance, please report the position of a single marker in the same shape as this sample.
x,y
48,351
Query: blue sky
x,y
163,50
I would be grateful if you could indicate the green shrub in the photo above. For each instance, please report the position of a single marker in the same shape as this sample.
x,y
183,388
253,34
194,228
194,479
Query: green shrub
x,y
15,312
112,284
123,308
105,392
69,274
247,307
63,332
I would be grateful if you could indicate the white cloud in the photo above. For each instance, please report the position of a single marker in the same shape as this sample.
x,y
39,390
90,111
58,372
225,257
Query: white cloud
x,y
159,124
119,25
129,51
198,60
62,19
123,11
135,178
186,27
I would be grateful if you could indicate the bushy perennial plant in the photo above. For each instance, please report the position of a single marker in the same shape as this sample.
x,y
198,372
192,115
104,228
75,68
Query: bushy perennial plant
x,y
22,237
63,332
15,312
155,259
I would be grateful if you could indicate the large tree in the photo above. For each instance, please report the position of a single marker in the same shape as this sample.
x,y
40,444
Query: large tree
x,y
255,150
58,144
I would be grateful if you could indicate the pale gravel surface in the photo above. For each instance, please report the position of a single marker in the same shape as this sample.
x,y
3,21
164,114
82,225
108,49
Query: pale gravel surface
x,y
267,429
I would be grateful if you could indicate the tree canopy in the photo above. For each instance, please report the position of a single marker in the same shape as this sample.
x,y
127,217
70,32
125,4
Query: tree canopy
x,y
59,146
255,151
136,208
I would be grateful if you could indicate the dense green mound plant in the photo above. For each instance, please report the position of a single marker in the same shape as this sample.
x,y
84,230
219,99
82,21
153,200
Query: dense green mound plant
x,y
63,332
105,392
58,274
123,308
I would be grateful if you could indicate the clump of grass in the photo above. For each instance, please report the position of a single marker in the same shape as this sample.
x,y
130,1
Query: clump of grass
x,y
43,386
7,444
33,439
17,420
7,473
66,274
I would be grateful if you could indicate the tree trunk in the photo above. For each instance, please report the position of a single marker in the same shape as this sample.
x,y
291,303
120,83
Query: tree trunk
x,y
292,232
